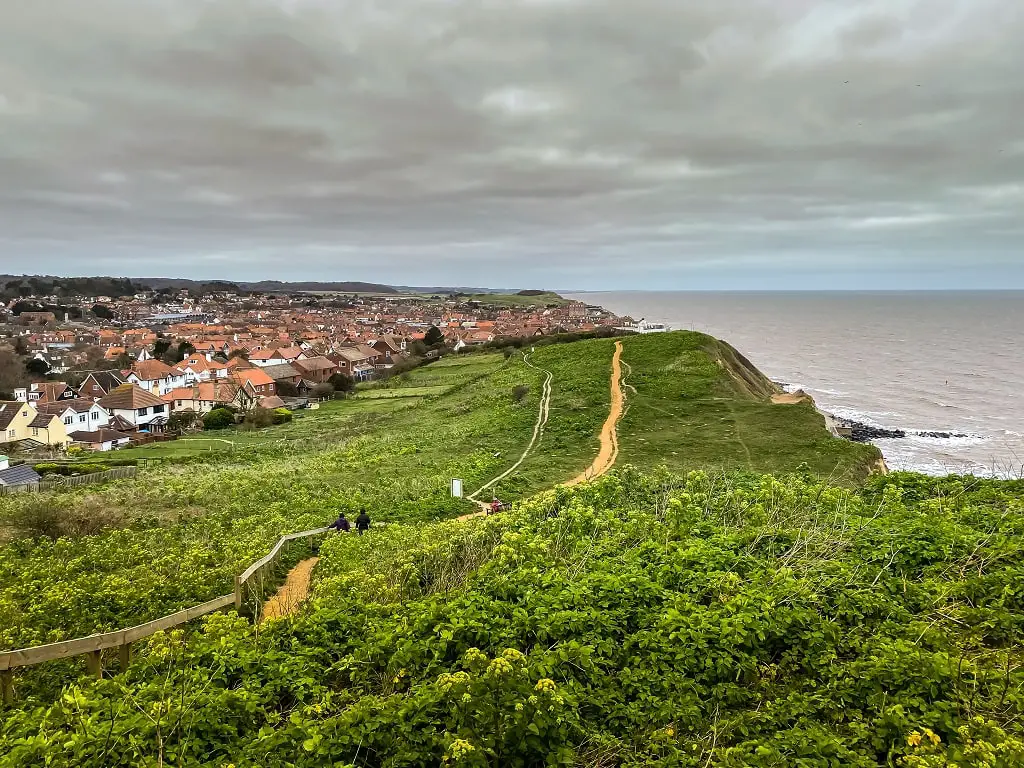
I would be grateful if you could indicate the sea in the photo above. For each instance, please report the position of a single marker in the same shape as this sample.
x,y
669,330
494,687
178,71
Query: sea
x,y
950,362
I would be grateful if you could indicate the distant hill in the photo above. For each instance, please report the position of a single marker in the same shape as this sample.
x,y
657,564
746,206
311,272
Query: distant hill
x,y
13,286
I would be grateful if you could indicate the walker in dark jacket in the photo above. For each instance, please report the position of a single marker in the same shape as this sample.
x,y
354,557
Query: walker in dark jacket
x,y
362,522
341,524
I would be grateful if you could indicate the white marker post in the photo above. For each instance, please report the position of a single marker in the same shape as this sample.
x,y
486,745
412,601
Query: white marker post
x,y
456,488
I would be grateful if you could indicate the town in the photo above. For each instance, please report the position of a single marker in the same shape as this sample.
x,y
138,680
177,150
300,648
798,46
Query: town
x,y
99,372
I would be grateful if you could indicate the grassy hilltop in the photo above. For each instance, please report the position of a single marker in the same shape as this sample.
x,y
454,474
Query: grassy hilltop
x,y
735,593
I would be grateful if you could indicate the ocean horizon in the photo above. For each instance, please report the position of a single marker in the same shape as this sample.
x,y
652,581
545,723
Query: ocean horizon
x,y
921,361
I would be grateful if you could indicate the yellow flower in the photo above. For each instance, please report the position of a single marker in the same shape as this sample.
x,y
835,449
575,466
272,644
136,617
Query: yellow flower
x,y
670,731
914,739
932,736
545,685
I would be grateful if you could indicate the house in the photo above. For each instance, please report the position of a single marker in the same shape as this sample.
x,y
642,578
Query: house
x,y
137,407
20,476
45,392
155,376
99,383
22,423
78,414
100,439
197,367
318,369
262,385
265,357
204,396
352,362
288,374
388,346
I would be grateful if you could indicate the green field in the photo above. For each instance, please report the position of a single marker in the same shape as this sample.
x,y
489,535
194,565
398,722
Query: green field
x,y
738,592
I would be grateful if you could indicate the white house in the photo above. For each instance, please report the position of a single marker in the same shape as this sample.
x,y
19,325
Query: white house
x,y
156,377
136,406
79,414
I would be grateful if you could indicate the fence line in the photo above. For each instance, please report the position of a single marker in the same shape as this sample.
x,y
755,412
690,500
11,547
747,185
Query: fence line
x,y
56,482
75,481
93,645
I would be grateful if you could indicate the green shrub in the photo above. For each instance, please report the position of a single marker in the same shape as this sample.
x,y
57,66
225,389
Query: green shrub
x,y
218,418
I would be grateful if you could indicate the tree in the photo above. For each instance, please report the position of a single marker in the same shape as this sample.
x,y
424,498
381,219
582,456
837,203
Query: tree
x,y
12,374
286,388
21,345
184,421
259,417
342,382
185,349
103,312
323,390
238,353
218,418
160,347
520,392
434,337
37,367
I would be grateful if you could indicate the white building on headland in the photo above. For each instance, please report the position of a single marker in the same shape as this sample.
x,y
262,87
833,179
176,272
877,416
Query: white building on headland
x,y
642,326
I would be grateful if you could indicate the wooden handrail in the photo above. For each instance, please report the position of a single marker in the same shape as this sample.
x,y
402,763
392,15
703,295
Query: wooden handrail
x,y
92,645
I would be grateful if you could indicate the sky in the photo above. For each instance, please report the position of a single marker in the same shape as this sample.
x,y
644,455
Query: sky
x,y
568,144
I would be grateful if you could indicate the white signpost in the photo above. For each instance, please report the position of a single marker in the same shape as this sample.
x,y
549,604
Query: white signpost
x,y
456,488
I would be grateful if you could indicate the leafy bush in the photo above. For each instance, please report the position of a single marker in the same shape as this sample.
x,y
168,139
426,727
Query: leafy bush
x,y
645,619
282,416
218,418
519,393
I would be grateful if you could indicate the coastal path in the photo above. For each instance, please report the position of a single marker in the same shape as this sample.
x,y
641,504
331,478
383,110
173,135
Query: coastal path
x,y
609,452
538,433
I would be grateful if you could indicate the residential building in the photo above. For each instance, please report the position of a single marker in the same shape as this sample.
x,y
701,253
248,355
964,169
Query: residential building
x,y
78,414
101,439
136,407
155,376
21,423
99,383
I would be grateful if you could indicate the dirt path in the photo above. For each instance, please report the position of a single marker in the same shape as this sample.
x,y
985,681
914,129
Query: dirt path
x,y
538,432
290,594
609,452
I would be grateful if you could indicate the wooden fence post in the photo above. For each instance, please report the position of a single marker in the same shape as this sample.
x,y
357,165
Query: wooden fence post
x,y
95,663
124,654
238,593
7,686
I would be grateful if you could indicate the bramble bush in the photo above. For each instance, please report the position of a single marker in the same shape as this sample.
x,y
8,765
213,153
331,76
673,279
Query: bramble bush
x,y
644,619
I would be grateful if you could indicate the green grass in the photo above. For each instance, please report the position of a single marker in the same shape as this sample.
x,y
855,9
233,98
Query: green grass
x,y
515,300
219,505
699,405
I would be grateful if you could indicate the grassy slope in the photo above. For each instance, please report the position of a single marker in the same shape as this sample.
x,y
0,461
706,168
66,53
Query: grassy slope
x,y
196,523
657,612
515,300
699,404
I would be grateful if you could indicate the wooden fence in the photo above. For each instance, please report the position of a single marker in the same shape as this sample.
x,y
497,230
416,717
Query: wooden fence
x,y
93,646
75,481
57,482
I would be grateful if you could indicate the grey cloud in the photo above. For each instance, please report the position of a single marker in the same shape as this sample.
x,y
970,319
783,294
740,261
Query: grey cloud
x,y
589,143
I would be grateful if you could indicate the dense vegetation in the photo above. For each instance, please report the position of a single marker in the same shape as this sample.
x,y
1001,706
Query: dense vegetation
x,y
710,620
580,600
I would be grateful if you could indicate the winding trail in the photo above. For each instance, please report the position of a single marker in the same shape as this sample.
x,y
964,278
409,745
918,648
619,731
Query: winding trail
x,y
296,587
290,594
609,452
538,433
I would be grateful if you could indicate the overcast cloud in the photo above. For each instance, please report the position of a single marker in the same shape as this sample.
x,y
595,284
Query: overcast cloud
x,y
557,143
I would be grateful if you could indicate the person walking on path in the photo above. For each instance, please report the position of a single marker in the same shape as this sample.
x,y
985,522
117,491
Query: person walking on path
x,y
341,524
495,506
362,522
